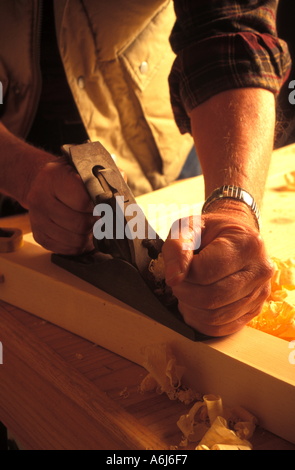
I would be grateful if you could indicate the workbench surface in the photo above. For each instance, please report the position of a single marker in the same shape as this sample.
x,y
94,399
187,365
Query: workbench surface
x,y
54,384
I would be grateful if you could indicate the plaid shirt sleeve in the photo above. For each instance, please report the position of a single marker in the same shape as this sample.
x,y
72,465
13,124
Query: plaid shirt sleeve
x,y
222,45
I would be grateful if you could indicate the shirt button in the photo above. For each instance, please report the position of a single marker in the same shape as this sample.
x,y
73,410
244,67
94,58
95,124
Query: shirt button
x,y
144,67
81,83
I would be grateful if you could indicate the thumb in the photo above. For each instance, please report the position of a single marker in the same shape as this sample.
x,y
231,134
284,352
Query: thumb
x,y
178,250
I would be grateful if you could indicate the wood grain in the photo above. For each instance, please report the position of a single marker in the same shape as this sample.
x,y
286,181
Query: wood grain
x,y
112,374
55,386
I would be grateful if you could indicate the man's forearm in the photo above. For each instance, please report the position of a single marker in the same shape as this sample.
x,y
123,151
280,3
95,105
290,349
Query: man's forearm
x,y
19,164
234,137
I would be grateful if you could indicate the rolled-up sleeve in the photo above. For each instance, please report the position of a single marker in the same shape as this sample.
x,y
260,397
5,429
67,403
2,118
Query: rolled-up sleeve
x,y
222,45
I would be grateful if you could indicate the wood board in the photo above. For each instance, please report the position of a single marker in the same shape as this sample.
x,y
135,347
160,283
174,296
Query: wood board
x,y
249,369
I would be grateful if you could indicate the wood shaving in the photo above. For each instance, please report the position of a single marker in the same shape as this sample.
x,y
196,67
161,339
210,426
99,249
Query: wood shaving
x,y
157,268
207,422
194,424
277,317
214,407
161,290
211,425
79,356
124,393
165,375
221,435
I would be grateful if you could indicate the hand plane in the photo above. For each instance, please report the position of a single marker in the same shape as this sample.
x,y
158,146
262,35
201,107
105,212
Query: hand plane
x,y
119,265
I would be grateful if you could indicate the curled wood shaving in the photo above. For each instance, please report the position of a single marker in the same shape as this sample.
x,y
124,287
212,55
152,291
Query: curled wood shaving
x,y
221,435
165,375
207,422
157,268
277,317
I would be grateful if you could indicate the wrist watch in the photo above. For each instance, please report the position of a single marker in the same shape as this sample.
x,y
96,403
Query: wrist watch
x,y
233,192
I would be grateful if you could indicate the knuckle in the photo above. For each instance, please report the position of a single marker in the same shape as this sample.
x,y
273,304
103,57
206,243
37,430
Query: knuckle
x,y
266,269
255,244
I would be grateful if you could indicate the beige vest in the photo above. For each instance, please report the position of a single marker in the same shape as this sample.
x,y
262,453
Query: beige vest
x,y
117,58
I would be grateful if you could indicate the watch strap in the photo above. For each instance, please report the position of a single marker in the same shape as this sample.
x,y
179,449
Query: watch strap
x,y
233,192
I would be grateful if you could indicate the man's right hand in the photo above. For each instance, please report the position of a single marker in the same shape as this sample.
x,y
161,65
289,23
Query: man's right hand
x,y
60,209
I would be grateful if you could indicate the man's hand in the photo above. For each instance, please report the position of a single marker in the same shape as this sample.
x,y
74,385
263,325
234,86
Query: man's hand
x,y
224,286
60,210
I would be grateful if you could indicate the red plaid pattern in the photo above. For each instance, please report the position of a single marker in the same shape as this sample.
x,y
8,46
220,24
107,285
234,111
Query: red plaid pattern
x,y
222,45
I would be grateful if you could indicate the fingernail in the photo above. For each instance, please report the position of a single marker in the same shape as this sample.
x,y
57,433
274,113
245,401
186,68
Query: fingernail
x,y
173,272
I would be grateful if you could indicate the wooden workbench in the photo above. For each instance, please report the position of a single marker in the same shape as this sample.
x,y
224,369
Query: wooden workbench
x,y
54,384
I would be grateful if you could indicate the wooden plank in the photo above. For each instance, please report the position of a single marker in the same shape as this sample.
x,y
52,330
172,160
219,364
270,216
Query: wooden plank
x,y
86,420
112,374
249,369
